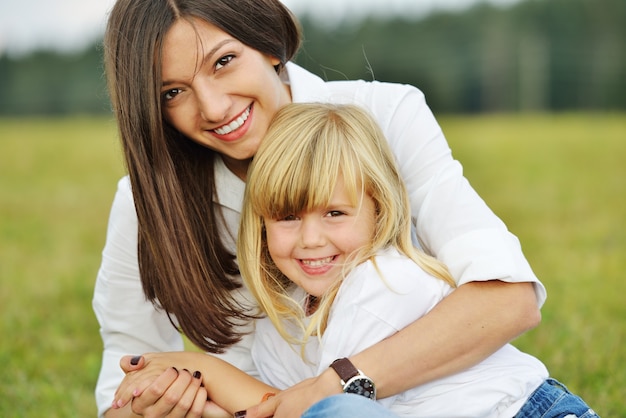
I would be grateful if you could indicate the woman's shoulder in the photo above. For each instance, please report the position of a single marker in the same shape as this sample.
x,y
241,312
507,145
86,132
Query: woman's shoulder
x,y
374,95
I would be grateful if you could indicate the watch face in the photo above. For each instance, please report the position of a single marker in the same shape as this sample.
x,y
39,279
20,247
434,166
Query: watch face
x,y
361,386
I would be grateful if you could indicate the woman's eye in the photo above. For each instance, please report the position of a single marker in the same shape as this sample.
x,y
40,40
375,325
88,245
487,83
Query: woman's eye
x,y
222,62
170,94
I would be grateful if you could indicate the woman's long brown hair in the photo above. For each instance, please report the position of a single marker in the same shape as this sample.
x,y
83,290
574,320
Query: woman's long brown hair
x,y
185,267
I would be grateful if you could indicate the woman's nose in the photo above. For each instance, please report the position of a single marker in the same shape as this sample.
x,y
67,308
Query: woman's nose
x,y
213,105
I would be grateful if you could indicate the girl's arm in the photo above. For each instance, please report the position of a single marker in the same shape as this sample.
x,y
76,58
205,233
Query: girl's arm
x,y
227,386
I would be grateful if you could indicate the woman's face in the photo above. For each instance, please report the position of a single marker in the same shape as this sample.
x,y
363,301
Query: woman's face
x,y
218,91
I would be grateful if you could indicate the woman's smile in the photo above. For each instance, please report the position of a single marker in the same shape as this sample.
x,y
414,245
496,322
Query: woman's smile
x,y
236,128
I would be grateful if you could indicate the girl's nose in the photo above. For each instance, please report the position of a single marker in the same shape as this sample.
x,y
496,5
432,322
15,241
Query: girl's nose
x,y
311,233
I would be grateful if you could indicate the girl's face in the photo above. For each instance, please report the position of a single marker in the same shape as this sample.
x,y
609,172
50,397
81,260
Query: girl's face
x,y
311,248
218,91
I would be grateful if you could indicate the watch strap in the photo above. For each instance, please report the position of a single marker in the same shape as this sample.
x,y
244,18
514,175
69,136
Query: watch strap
x,y
345,369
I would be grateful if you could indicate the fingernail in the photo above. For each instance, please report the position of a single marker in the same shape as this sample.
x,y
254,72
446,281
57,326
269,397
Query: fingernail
x,y
240,414
197,374
135,360
175,369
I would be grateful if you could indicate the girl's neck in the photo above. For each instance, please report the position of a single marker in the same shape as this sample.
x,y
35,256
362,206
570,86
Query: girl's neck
x,y
311,305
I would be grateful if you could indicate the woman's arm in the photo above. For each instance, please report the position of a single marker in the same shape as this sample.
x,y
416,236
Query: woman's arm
x,y
465,328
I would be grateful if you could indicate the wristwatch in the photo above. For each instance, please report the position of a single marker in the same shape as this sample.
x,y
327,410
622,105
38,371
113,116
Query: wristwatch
x,y
353,380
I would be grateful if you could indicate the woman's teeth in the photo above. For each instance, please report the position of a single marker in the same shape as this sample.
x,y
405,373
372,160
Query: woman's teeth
x,y
234,125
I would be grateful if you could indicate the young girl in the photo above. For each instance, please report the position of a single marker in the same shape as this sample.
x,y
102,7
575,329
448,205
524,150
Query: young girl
x,y
194,85
325,247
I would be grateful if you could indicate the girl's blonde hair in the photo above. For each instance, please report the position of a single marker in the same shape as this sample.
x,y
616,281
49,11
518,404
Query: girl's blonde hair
x,y
296,168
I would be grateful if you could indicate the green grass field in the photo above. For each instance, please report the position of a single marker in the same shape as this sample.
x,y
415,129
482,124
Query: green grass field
x,y
558,181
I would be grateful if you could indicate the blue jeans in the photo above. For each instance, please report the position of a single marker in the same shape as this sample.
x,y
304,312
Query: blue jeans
x,y
348,405
550,400
553,400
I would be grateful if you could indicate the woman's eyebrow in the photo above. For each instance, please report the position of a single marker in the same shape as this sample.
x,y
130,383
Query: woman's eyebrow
x,y
207,57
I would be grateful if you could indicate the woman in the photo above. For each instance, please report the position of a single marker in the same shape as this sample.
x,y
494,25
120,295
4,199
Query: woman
x,y
194,85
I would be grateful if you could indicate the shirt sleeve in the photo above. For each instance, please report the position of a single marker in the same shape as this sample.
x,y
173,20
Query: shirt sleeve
x,y
129,324
452,222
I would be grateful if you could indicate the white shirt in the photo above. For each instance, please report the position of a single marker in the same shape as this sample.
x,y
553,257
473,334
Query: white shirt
x,y
452,222
369,308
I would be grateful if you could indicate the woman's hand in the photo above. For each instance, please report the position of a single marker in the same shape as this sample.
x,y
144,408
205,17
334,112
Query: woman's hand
x,y
156,389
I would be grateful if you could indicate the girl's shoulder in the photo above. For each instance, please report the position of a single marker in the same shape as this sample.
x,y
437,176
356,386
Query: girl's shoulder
x,y
391,274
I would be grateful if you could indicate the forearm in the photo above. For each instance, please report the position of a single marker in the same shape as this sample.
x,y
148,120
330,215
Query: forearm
x,y
465,328
228,386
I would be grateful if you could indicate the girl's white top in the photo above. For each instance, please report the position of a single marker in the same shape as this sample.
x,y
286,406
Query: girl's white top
x,y
369,308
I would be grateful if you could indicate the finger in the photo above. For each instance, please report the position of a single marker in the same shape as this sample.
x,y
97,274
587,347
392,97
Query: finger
x,y
151,397
199,402
132,363
169,402
186,401
213,410
263,410
134,384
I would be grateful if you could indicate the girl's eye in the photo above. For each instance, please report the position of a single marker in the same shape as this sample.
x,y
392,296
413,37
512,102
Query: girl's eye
x,y
222,62
334,213
289,218
170,94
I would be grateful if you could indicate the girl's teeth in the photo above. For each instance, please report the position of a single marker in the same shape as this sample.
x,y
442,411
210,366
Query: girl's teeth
x,y
317,263
234,125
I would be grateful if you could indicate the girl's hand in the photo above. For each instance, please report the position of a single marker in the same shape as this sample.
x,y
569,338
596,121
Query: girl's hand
x,y
293,402
157,390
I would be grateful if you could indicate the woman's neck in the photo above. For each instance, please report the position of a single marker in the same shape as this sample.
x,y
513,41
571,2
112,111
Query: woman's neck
x,y
237,167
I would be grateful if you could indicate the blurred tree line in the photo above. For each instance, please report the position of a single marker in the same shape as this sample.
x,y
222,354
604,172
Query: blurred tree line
x,y
538,55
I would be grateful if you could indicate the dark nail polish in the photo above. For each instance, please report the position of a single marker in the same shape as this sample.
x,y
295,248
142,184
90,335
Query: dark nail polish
x,y
240,414
197,374
175,369
135,360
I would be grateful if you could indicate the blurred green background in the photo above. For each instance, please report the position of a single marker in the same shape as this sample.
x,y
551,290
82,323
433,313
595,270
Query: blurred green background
x,y
531,98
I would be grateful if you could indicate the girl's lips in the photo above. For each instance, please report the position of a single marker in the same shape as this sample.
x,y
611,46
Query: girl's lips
x,y
236,128
316,266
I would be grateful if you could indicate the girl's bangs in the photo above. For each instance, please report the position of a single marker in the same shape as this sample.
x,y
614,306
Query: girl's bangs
x,y
307,181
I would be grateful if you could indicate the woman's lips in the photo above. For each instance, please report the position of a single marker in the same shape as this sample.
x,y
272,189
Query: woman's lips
x,y
236,128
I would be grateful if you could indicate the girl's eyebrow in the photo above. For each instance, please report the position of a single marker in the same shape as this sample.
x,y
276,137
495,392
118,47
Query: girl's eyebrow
x,y
207,57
